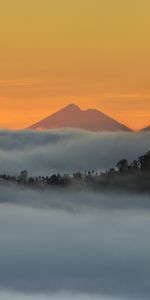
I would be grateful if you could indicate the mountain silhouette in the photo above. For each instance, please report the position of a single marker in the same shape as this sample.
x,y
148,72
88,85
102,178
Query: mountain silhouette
x,y
146,128
72,116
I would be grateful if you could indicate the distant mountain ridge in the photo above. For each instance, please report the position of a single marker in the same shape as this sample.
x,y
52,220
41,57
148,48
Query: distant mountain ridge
x,y
72,116
146,128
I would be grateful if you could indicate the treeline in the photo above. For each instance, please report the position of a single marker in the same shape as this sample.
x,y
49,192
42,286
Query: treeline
x,y
125,175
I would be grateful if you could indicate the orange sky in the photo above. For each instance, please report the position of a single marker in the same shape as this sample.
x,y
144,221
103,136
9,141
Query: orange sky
x,y
95,53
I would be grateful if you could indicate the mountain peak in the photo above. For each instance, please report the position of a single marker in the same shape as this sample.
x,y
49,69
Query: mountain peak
x,y
71,116
71,106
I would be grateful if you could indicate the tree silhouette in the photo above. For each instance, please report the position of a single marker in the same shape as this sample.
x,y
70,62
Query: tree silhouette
x,y
122,165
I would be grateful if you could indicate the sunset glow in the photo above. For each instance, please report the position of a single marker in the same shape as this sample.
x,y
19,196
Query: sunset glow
x,y
95,53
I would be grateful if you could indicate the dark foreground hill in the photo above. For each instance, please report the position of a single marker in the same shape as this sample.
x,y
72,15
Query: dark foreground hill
x,y
125,176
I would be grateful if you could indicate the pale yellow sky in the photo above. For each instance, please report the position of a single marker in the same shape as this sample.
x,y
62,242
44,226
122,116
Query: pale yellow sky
x,y
94,53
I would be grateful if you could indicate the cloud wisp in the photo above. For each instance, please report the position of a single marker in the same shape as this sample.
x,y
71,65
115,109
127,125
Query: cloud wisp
x,y
60,296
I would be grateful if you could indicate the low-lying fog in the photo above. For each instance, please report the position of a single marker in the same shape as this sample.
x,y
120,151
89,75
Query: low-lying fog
x,y
68,244
82,243
68,150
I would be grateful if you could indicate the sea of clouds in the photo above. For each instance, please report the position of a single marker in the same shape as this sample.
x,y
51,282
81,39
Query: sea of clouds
x,y
62,296
67,150
69,244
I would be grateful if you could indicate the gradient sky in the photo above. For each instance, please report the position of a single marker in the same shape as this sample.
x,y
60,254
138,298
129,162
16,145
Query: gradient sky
x,y
95,53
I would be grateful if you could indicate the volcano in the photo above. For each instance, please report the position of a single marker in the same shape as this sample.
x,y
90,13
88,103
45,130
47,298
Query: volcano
x,y
72,116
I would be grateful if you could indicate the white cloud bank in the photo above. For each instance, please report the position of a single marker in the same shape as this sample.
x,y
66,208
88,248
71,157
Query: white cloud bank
x,y
61,296
95,246
77,242
67,151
